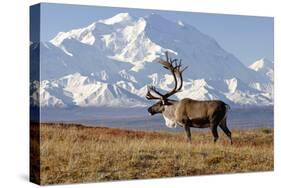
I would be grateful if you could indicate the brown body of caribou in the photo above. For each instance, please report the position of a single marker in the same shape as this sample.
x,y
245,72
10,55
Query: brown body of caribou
x,y
188,112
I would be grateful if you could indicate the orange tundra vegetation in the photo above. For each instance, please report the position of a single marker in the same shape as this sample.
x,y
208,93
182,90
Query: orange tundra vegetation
x,y
72,153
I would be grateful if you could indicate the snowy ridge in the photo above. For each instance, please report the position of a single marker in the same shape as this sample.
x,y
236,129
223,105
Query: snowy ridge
x,y
110,62
78,90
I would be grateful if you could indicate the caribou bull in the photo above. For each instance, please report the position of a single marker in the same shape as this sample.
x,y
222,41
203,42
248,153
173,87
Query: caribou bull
x,y
187,112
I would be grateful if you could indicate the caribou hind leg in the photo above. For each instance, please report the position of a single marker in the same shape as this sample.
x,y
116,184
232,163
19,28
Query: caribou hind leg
x,y
223,126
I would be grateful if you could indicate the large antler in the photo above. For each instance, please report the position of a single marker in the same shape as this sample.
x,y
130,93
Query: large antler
x,y
178,73
150,96
175,68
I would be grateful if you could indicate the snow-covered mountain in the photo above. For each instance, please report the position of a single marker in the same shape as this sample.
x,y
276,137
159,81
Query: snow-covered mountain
x,y
110,62
263,66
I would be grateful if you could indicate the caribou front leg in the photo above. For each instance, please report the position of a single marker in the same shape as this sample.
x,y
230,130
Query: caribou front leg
x,y
187,130
215,132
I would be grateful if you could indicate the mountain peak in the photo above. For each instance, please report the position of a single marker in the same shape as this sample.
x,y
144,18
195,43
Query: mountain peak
x,y
261,64
265,61
121,17
154,18
85,34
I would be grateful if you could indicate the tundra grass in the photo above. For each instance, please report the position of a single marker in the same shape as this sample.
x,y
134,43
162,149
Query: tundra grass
x,y
76,153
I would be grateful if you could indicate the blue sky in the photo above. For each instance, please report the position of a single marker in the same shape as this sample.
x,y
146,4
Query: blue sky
x,y
247,37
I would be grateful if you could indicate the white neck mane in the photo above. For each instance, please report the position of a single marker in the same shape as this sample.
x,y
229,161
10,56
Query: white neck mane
x,y
169,117
170,122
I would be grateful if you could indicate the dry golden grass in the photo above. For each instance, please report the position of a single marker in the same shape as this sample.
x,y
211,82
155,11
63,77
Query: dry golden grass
x,y
75,153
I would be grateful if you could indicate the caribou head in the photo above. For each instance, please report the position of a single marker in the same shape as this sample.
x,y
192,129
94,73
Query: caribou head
x,y
176,70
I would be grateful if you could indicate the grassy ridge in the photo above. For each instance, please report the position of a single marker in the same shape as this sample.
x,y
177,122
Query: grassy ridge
x,y
75,153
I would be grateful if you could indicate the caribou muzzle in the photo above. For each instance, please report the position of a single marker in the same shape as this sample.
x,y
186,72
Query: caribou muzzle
x,y
151,111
